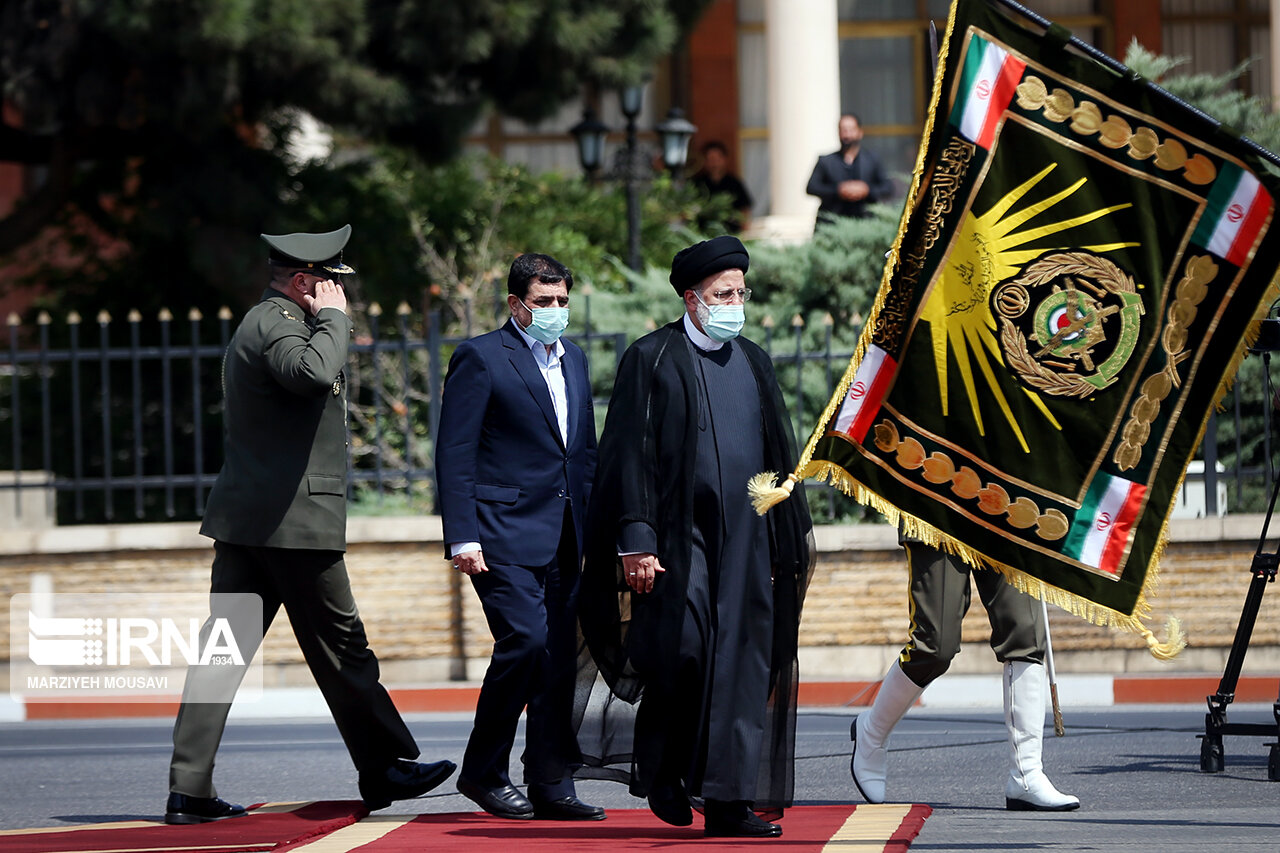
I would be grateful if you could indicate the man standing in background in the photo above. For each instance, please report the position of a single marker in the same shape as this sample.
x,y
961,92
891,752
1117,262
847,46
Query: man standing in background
x,y
714,178
849,179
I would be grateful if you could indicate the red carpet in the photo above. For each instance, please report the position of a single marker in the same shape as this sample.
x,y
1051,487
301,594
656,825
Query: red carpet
x,y
268,827
338,827
805,828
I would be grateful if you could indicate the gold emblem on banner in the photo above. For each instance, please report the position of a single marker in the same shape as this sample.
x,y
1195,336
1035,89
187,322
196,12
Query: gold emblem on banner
x,y
1069,323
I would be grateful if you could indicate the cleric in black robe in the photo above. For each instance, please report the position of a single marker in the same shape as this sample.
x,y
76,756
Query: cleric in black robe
x,y
690,601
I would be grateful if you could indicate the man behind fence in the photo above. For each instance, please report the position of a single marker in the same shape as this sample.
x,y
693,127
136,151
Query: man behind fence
x,y
278,515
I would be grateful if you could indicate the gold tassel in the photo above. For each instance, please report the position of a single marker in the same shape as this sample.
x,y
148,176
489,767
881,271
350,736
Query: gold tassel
x,y
765,491
1169,649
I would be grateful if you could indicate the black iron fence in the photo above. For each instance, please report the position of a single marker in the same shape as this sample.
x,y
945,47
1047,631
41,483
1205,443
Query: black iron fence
x,y
122,422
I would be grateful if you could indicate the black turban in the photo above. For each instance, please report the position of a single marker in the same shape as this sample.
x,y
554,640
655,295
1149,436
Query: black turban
x,y
709,257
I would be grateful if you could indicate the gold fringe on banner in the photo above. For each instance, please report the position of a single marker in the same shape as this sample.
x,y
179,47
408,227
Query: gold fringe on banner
x,y
1090,611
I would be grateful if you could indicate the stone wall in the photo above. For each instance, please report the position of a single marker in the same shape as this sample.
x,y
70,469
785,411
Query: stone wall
x,y
855,616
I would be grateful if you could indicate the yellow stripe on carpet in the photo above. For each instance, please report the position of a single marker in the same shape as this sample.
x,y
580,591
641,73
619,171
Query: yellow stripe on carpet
x,y
280,808
357,834
125,824
868,829
269,808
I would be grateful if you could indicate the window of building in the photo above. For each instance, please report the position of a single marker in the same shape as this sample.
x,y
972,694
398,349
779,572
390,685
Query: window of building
x,y
1218,35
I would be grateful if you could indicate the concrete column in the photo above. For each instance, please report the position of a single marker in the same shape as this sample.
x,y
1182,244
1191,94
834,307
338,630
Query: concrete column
x,y
1275,53
802,50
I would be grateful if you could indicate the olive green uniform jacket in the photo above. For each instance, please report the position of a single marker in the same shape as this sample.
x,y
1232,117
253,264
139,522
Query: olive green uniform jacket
x,y
283,481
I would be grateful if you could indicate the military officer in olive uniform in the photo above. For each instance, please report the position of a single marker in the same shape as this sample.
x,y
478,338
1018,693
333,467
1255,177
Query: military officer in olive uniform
x,y
278,516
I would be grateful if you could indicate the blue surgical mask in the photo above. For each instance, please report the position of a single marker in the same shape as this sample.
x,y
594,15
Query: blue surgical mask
x,y
547,324
721,322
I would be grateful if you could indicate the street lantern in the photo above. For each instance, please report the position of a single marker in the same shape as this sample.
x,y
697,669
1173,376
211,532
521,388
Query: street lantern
x,y
631,99
590,134
675,133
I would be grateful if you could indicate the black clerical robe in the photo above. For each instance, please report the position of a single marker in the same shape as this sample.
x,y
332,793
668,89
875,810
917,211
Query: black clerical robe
x,y
714,645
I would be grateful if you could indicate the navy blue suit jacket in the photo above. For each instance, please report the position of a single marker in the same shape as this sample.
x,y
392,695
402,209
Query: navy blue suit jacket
x,y
503,471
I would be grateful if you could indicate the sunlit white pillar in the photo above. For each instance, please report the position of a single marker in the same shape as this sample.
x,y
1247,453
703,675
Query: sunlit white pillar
x,y
1275,54
802,51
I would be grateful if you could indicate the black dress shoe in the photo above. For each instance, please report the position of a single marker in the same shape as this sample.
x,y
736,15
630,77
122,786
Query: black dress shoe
x,y
181,810
670,803
500,802
403,780
736,820
566,808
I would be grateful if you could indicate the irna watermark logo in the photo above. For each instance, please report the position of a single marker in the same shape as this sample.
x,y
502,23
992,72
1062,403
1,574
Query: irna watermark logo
x,y
135,647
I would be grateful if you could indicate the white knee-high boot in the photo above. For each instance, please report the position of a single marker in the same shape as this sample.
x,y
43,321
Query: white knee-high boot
x,y
1028,789
870,732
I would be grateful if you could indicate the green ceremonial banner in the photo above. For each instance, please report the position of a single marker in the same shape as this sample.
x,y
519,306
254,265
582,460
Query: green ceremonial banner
x,y
1081,261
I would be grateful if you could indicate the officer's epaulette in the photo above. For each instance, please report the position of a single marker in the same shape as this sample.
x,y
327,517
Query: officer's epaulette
x,y
289,316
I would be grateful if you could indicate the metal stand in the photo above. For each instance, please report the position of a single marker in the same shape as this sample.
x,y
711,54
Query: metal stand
x,y
1263,570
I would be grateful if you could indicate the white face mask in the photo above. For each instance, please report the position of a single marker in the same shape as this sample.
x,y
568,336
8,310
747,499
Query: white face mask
x,y
721,322
547,324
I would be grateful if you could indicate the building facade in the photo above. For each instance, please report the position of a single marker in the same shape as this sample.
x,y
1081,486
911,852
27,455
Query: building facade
x,y
770,78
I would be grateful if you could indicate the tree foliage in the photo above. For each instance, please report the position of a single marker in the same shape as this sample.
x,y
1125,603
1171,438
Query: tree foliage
x,y
442,236
164,126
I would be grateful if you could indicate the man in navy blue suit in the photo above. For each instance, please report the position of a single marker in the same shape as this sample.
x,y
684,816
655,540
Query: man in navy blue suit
x,y
515,456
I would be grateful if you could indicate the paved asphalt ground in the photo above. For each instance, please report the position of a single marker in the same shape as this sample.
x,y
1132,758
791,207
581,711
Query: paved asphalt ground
x,y
1135,769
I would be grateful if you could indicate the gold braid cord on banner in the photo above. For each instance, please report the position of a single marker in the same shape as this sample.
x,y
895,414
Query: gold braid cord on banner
x,y
765,491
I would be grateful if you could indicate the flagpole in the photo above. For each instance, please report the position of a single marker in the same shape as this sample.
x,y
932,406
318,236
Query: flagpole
x,y
1120,68
1058,728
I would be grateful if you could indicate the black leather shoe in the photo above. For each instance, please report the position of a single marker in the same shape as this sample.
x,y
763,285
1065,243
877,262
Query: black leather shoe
x,y
500,802
670,803
181,810
403,780
736,820
566,808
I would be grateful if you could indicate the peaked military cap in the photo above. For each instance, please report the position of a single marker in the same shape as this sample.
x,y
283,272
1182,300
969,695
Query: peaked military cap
x,y
310,251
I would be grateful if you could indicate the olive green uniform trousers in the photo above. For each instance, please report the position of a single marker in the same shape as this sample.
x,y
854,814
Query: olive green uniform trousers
x,y
940,594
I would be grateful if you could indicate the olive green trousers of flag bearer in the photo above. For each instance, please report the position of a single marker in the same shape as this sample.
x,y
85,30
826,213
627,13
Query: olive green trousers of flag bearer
x,y
1081,262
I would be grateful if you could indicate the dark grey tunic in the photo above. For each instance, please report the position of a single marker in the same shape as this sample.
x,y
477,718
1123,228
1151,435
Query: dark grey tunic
x,y
729,585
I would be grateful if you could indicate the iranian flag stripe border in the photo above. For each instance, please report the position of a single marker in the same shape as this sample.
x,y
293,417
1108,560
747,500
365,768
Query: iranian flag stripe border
x,y
866,393
1234,213
1102,526
987,85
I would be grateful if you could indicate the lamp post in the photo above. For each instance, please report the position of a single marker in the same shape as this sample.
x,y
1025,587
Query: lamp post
x,y
632,98
590,135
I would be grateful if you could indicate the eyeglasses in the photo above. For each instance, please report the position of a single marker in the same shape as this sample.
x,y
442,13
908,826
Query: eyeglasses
x,y
743,293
